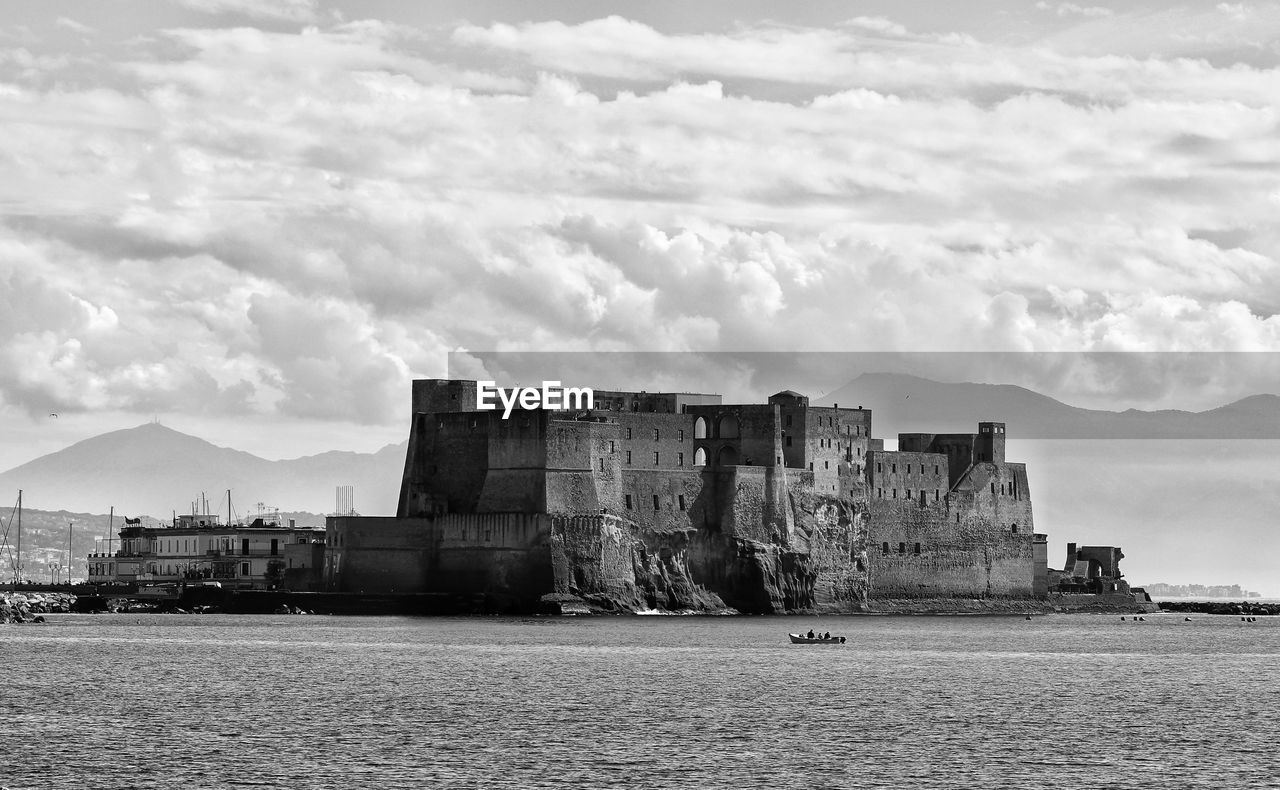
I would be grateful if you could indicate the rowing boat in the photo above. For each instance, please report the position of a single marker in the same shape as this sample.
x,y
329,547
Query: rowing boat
x,y
803,639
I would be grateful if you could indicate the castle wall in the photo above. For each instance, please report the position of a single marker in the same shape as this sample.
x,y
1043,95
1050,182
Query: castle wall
x,y
977,541
376,554
503,556
446,463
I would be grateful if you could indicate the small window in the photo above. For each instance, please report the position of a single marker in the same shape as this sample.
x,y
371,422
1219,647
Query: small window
x,y
612,449
788,420
993,488
917,549
601,464
628,433
826,464
679,459
935,469
1014,529
902,548
655,459
680,435
788,441
906,493
884,547
681,499
656,504
627,500
894,468
879,467
628,458
879,493
894,493
655,434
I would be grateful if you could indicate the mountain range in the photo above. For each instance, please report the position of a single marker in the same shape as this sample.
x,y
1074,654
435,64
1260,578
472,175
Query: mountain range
x,y
153,470
908,403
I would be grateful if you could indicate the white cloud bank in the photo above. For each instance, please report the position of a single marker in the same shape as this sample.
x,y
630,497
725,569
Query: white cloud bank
x,y
231,221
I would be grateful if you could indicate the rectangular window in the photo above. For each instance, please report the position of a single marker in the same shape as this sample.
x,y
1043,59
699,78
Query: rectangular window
x,y
656,504
902,548
894,469
655,459
788,420
681,498
601,464
611,448
788,441
895,492
679,459
655,434
628,433
628,501
879,493
244,569
826,464
680,435
628,458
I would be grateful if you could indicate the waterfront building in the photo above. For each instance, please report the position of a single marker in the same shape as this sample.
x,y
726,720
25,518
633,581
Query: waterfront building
x,y
258,554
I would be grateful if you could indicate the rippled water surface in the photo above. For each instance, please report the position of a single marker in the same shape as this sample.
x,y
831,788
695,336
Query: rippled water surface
x,y
157,701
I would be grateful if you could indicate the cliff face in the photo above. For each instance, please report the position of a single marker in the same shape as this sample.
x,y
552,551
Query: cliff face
x,y
817,564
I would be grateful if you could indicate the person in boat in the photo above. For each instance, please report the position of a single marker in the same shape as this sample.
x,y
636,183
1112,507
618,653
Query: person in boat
x,y
827,635
810,633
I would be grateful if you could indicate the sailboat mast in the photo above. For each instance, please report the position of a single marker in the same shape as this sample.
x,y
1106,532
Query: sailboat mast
x,y
17,570
69,555
228,507
111,529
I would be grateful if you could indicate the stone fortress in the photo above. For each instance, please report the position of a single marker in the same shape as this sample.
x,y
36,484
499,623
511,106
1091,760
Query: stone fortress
x,y
677,501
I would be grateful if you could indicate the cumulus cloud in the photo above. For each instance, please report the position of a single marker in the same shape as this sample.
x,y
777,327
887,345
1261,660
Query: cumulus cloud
x,y
299,223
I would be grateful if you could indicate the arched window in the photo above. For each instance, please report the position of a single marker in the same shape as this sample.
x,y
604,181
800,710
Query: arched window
x,y
700,428
700,457
1014,529
728,427
728,456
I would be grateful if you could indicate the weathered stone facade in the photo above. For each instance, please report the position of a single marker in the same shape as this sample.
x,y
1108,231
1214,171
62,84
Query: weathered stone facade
x,y
678,501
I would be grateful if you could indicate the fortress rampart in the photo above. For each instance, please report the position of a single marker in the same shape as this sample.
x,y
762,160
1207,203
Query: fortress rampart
x,y
678,501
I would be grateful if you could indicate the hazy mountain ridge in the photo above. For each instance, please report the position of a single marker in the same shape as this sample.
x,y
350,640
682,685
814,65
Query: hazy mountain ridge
x,y
902,403
153,470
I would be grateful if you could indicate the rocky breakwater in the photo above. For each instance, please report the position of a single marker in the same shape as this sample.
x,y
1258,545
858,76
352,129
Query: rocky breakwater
x,y
20,607
1221,607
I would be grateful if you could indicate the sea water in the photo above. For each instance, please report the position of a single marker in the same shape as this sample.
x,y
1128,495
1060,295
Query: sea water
x,y
1070,701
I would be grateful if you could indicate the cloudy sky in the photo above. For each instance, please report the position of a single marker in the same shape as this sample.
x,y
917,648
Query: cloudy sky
x,y
257,222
